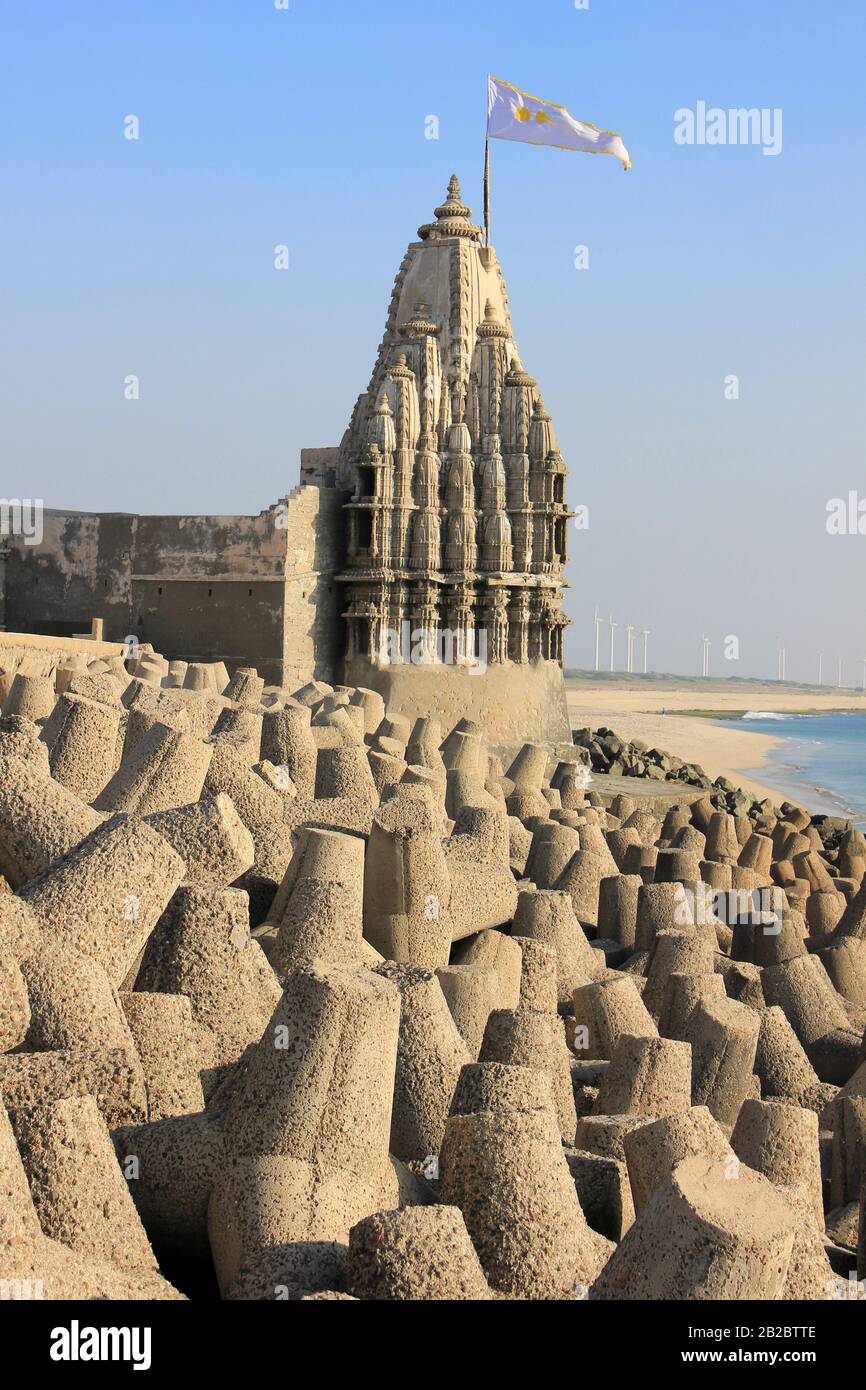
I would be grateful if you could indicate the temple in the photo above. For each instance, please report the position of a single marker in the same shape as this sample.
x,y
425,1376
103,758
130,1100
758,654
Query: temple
x,y
426,550
457,522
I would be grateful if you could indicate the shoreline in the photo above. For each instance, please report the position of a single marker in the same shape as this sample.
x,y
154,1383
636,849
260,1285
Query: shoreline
x,y
667,718
795,780
817,800
770,715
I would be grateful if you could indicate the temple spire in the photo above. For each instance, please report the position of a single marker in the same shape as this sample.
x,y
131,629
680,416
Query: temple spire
x,y
456,513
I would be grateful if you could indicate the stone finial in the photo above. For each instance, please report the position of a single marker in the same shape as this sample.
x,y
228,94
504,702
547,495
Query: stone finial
x,y
420,323
452,217
380,428
454,205
399,371
492,327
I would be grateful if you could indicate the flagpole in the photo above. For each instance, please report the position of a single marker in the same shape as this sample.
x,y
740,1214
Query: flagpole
x,y
486,192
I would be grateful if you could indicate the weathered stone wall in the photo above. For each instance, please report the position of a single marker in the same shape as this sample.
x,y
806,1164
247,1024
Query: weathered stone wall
x,y
247,590
313,638
211,588
513,702
80,570
204,588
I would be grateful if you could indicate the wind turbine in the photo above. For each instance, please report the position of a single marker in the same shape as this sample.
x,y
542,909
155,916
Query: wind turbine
x,y
646,636
839,682
629,637
613,628
705,670
781,654
598,622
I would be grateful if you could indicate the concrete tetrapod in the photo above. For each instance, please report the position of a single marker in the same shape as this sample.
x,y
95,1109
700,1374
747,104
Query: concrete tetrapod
x,y
506,1171
724,1039
40,821
287,742
704,1236
653,1150
318,908
496,953
81,1196
407,888
605,1010
308,1131
35,1266
548,916
82,737
420,1253
682,952
202,948
106,896
210,838
647,1076
430,1054
167,769
526,1038
781,1141
471,995
165,1038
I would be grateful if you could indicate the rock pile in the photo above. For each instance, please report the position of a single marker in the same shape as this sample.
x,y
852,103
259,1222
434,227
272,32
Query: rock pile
x,y
298,1000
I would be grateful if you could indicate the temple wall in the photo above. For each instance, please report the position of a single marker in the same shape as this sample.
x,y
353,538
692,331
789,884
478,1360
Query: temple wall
x,y
211,588
201,588
514,703
247,590
80,570
313,631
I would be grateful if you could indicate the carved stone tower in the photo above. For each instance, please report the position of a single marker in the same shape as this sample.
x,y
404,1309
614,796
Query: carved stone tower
x,y
457,521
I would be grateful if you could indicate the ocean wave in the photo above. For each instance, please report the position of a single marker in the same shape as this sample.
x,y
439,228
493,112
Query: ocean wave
x,y
765,714
841,802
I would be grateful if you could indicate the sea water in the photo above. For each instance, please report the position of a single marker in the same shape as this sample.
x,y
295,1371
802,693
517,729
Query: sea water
x,y
821,763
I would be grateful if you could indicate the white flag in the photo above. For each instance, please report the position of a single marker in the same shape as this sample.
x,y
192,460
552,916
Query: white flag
x,y
515,115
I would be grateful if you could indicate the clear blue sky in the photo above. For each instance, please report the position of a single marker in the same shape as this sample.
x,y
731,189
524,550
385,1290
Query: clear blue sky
x,y
306,127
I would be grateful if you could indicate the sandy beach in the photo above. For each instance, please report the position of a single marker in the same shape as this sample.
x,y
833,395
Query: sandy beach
x,y
632,707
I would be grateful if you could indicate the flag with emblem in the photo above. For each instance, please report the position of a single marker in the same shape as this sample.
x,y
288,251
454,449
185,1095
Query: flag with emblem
x,y
515,115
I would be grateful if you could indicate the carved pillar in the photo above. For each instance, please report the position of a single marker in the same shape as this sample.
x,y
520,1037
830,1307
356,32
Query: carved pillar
x,y
495,626
396,616
518,629
521,531
535,646
380,649
425,549
496,536
425,623
461,620
460,541
351,632
542,453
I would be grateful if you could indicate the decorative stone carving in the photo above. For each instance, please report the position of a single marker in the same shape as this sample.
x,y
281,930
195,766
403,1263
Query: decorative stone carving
x,y
457,518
